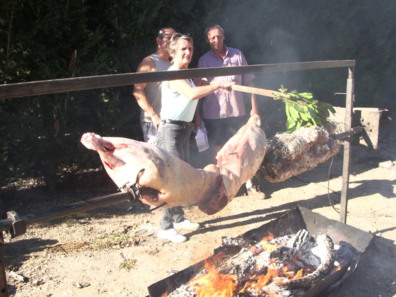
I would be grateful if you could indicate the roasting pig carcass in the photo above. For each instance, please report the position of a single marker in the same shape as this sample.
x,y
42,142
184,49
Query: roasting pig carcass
x,y
292,154
165,180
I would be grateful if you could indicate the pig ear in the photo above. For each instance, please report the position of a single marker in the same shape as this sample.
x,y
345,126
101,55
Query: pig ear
x,y
107,145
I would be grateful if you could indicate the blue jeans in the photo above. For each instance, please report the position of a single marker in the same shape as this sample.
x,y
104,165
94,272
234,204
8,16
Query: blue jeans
x,y
149,131
175,139
221,130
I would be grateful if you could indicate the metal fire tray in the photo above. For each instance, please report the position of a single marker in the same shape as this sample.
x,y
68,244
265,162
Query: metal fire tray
x,y
289,223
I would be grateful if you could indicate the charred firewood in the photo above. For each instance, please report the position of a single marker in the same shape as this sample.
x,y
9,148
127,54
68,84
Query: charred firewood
x,y
240,264
324,251
236,241
301,239
266,267
296,250
184,290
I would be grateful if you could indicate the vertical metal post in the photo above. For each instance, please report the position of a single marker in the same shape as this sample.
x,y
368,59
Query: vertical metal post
x,y
347,145
3,278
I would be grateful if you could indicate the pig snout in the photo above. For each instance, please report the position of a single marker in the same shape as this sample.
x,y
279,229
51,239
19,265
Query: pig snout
x,y
87,140
95,142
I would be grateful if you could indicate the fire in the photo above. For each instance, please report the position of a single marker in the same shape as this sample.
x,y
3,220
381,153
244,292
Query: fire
x,y
292,275
299,274
214,283
266,245
277,275
263,280
268,267
270,236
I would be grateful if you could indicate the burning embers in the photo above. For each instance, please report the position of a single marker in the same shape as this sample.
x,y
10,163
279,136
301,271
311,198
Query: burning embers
x,y
292,262
274,266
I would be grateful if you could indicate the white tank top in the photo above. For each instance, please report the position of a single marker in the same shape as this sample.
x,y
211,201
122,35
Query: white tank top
x,y
175,106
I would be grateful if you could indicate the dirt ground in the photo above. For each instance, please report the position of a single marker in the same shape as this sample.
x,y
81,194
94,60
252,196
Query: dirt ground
x,y
113,250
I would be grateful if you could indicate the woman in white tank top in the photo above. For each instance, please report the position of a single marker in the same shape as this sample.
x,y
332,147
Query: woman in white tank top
x,y
179,103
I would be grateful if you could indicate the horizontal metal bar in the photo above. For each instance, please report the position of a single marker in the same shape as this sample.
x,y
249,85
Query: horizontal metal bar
x,y
35,88
61,211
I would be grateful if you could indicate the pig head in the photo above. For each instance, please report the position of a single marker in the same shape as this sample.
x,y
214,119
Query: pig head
x,y
164,178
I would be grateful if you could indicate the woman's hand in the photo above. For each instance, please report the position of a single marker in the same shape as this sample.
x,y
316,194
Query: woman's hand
x,y
223,84
226,84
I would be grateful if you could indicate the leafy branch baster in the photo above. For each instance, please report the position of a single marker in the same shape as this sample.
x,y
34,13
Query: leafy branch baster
x,y
302,110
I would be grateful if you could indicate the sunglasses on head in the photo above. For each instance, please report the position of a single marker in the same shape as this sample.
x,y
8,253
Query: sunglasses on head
x,y
178,35
162,34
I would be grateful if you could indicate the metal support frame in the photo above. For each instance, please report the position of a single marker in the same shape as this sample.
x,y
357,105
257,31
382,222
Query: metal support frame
x,y
35,88
350,96
3,278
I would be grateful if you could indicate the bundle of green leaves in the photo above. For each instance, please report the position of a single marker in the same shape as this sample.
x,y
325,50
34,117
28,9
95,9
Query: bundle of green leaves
x,y
303,110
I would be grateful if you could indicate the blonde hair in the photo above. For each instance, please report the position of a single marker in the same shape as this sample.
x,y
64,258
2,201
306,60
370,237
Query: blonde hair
x,y
172,47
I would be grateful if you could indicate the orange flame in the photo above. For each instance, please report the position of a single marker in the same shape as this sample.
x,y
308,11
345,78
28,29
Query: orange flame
x,y
299,274
270,236
259,281
263,280
265,242
214,283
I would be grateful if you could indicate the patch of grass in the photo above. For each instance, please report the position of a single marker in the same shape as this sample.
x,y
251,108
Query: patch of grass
x,y
114,240
128,264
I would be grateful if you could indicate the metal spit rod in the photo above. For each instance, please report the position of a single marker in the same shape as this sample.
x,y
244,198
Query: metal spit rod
x,y
16,225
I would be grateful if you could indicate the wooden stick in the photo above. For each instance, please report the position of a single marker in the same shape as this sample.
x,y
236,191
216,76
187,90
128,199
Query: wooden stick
x,y
259,91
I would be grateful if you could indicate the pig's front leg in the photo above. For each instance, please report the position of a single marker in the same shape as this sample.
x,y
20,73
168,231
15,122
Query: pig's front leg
x,y
241,157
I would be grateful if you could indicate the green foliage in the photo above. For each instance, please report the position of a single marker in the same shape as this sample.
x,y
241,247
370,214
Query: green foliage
x,y
302,110
117,240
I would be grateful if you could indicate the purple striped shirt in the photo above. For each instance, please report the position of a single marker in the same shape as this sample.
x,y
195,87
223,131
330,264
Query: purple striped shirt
x,y
224,103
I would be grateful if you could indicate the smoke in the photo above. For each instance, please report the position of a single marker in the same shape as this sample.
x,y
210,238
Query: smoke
x,y
270,32
260,30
